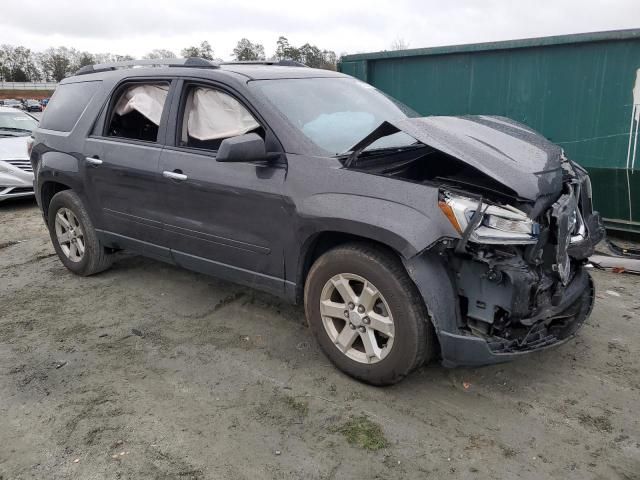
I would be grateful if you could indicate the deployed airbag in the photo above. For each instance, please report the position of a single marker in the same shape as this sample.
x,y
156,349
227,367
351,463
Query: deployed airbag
x,y
213,115
146,99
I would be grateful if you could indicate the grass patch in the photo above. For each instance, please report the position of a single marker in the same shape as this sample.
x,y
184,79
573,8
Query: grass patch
x,y
508,452
601,423
364,433
301,407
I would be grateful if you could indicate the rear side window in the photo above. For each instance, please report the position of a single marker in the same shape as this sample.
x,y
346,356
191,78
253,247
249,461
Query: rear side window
x,y
67,104
136,111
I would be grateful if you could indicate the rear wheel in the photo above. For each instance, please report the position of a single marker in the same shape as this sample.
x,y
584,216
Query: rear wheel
x,y
74,237
367,314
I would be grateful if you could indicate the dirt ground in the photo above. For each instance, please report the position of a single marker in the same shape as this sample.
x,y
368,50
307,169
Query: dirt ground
x,y
149,371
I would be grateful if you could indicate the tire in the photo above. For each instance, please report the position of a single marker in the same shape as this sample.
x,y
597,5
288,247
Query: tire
x,y
413,337
94,257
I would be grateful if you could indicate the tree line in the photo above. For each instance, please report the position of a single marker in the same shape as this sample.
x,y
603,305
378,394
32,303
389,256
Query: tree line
x,y
21,64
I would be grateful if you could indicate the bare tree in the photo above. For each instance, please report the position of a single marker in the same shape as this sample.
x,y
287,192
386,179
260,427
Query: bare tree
x,y
84,59
57,63
160,53
399,44
18,64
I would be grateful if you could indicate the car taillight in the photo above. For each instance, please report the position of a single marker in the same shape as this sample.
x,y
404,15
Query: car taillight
x,y
29,146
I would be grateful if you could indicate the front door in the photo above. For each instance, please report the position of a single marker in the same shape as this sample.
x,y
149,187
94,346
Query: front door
x,y
226,219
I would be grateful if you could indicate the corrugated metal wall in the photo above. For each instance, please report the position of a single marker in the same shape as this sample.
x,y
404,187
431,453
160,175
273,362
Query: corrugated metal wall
x,y
576,89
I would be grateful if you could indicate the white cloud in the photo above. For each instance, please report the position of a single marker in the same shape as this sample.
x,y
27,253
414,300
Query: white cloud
x,y
138,26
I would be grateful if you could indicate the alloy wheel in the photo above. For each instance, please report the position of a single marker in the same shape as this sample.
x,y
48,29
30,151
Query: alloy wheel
x,y
357,318
69,234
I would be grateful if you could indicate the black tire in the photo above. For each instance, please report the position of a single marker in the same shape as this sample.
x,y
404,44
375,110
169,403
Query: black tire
x,y
414,339
95,258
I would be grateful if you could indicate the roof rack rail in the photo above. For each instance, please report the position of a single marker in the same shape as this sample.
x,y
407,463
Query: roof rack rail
x,y
192,62
280,63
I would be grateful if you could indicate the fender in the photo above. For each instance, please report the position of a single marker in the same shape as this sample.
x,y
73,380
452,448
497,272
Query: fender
x,y
58,167
401,227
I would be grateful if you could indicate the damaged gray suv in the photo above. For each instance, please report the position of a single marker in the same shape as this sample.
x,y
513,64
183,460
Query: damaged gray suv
x,y
407,238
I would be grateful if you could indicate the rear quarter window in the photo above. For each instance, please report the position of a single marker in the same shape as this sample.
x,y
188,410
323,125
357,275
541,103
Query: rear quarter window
x,y
67,104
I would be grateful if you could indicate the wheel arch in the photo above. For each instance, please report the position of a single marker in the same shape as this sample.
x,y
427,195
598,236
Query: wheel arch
x,y
321,242
426,270
47,191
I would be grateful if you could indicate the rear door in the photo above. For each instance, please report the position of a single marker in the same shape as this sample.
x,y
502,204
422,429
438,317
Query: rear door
x,y
226,219
122,166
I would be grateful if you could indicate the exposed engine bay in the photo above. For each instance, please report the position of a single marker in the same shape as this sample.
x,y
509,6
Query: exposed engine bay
x,y
518,266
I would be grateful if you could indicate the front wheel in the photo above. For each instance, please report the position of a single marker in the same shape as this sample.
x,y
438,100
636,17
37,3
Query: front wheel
x,y
367,314
74,237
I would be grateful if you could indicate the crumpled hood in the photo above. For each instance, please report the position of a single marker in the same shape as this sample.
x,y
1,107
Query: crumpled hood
x,y
13,148
507,151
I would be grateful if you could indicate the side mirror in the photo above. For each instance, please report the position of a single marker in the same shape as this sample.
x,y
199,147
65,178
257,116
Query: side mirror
x,y
243,148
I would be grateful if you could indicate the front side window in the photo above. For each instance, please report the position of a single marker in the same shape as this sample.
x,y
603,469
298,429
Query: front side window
x,y
137,112
210,116
335,113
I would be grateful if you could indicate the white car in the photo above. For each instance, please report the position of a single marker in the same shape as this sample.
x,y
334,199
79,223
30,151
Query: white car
x,y
16,173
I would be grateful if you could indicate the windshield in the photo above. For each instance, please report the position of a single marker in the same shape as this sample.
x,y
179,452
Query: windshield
x,y
17,123
336,113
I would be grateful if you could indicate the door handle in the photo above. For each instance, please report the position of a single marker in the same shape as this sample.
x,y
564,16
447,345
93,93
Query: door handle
x,y
174,175
93,160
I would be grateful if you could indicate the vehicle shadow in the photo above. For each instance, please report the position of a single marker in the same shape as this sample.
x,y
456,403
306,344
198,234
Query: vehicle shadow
x,y
17,204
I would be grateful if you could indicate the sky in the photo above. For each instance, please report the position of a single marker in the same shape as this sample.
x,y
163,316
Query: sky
x,y
136,27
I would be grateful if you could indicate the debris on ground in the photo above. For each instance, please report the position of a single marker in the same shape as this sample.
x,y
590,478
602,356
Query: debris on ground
x,y
616,264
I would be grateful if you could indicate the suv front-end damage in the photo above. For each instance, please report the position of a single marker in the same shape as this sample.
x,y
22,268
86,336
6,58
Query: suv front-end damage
x,y
520,282
513,281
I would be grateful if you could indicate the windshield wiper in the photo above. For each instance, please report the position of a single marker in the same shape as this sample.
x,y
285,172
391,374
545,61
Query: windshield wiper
x,y
15,129
399,148
380,151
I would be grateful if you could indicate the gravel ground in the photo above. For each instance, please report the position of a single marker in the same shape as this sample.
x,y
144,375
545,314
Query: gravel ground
x,y
149,371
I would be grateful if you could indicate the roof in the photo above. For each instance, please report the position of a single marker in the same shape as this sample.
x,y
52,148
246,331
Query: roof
x,y
257,70
268,72
612,35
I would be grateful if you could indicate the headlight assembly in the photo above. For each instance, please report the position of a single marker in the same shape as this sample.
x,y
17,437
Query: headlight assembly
x,y
496,225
